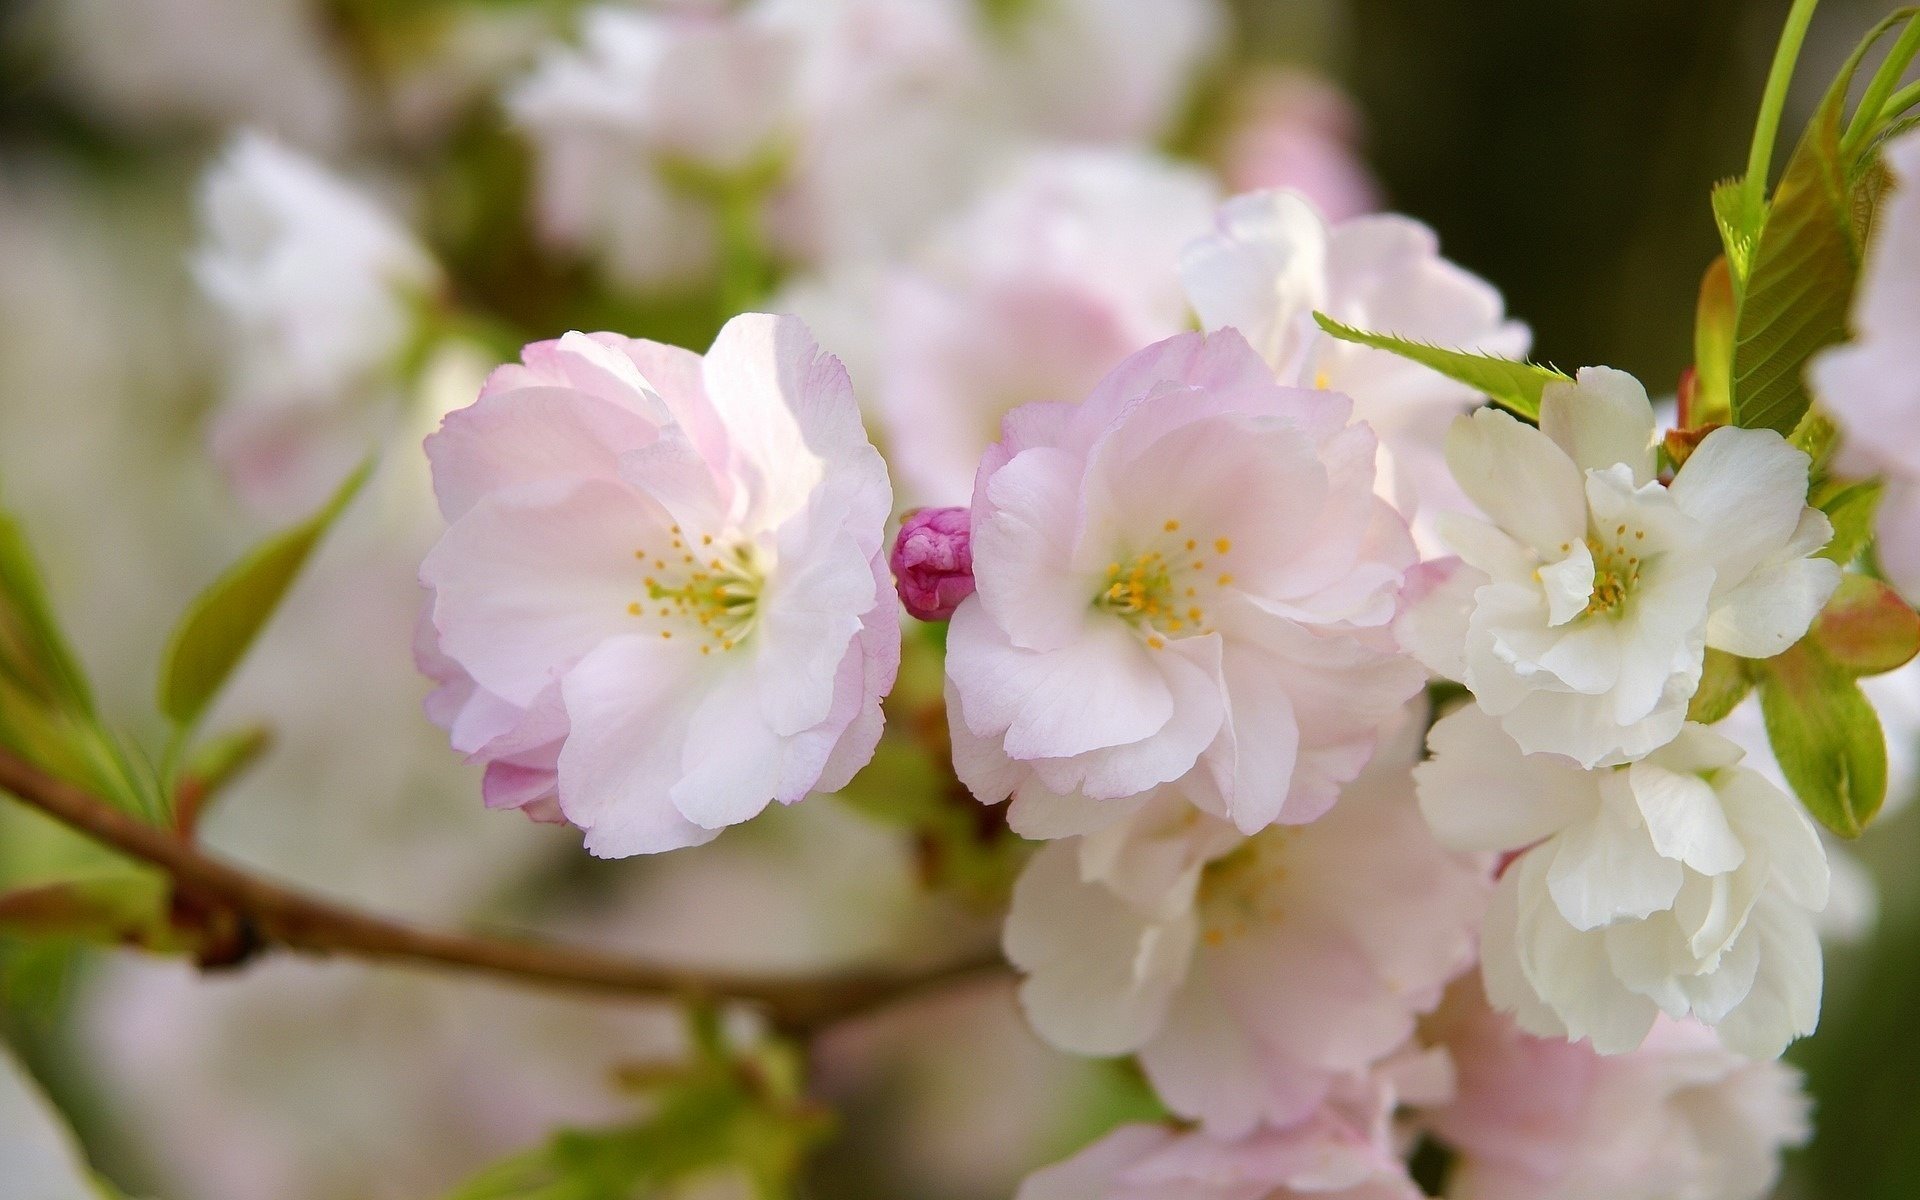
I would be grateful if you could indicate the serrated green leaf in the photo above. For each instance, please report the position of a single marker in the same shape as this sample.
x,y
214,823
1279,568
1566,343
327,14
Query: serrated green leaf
x,y
1736,234
1724,683
1827,738
1806,260
1851,507
1507,382
221,624
1797,296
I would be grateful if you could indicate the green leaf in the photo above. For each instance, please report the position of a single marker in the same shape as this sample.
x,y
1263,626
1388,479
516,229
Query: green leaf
x,y
1866,629
722,1119
1507,382
1806,260
221,624
1736,235
1797,297
1724,683
1826,737
33,652
1851,507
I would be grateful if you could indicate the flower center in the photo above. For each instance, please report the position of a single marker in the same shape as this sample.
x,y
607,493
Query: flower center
x,y
712,603
1163,589
1242,892
1617,561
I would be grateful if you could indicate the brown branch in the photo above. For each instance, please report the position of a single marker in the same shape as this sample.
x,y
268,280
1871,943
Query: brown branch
x,y
274,915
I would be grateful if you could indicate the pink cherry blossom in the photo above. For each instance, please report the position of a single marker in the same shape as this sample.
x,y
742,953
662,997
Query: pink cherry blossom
x,y
1034,294
1323,1158
1681,1116
1186,577
1254,978
661,600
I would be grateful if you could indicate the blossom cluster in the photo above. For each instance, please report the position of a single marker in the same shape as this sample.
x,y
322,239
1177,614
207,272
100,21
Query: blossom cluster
x,y
1366,728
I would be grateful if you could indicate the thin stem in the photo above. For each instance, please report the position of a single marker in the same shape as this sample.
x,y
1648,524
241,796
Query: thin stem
x,y
1773,102
279,916
1901,101
1882,86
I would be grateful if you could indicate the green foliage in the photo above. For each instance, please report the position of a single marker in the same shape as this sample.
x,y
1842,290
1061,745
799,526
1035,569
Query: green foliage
x,y
1827,738
1724,683
221,624
1729,196
1851,507
34,656
1509,383
723,1115
1823,729
1807,245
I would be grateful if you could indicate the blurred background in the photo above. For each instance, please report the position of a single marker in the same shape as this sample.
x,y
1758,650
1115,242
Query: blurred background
x,y
1563,150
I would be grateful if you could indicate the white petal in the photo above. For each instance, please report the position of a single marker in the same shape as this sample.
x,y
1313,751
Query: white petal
x,y
1478,791
1747,488
1600,419
1520,478
1568,584
1098,976
1262,273
1775,607
1684,818
1605,869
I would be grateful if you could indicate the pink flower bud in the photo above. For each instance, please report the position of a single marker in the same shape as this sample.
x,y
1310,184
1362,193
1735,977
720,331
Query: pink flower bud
x,y
933,561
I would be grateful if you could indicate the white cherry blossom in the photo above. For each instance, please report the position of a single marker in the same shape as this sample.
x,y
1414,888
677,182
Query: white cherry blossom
x,y
1581,610
1684,883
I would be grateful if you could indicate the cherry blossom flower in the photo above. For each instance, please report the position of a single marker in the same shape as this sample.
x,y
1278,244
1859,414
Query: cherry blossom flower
x,y
1683,883
319,283
1250,976
1273,261
661,599
1034,294
814,107
1107,71
1583,609
1534,1117
1142,616
1871,387
1323,1158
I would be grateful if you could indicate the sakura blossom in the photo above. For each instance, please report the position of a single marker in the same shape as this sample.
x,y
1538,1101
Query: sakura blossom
x,y
320,285
1684,883
670,129
661,600
1034,294
1103,71
1253,978
1272,261
1869,385
1680,1116
1580,612
1140,620
1322,1158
